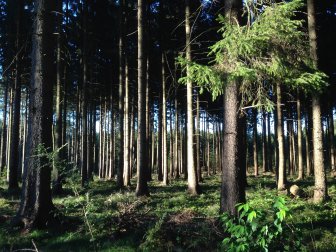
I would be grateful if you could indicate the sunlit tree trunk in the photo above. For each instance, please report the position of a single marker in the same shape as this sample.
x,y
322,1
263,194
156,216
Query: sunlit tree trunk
x,y
299,139
142,188
255,144
264,142
127,177
281,142
331,140
121,95
164,122
192,176
320,191
57,184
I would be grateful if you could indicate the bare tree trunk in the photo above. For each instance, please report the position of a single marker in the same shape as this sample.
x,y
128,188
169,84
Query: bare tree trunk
x,y
320,191
57,183
281,146
36,203
299,137
4,131
255,144
331,140
192,176
142,188
198,132
164,122
264,142
127,178
13,163
84,96
121,98
176,156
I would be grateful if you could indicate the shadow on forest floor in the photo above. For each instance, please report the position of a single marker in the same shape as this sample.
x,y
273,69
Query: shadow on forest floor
x,y
102,217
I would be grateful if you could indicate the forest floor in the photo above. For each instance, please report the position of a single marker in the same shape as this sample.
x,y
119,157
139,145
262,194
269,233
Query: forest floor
x,y
102,218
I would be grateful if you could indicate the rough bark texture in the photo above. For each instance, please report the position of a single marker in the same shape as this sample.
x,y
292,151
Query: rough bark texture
x,y
232,189
36,204
142,188
320,191
192,177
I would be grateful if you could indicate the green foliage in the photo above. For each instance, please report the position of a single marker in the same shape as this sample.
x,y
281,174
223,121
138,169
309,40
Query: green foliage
x,y
251,231
272,49
153,240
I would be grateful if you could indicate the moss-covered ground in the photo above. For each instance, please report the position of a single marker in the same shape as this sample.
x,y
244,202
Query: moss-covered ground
x,y
102,218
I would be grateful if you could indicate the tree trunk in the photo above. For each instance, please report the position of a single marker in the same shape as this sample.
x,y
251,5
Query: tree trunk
x,y
281,144
264,142
164,122
84,96
36,203
13,164
192,176
299,137
127,178
255,144
142,188
331,139
57,184
320,191
121,98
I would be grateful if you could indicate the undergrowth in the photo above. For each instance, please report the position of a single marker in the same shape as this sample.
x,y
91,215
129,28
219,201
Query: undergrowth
x,y
103,218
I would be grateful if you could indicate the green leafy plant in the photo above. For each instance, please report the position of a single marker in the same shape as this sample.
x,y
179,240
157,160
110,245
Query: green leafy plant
x,y
252,231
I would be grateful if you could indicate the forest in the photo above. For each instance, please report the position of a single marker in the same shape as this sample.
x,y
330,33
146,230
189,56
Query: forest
x,y
167,125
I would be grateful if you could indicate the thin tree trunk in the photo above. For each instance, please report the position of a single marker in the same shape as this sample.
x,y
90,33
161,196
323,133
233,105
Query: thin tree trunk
x,y
255,144
164,122
281,145
299,139
127,178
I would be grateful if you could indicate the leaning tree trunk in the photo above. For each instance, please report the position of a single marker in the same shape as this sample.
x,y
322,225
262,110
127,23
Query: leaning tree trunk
x,y
36,203
320,191
192,176
142,188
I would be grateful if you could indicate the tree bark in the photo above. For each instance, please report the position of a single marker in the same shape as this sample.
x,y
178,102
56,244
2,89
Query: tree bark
x,y
192,176
299,137
281,145
13,164
320,191
36,203
142,188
